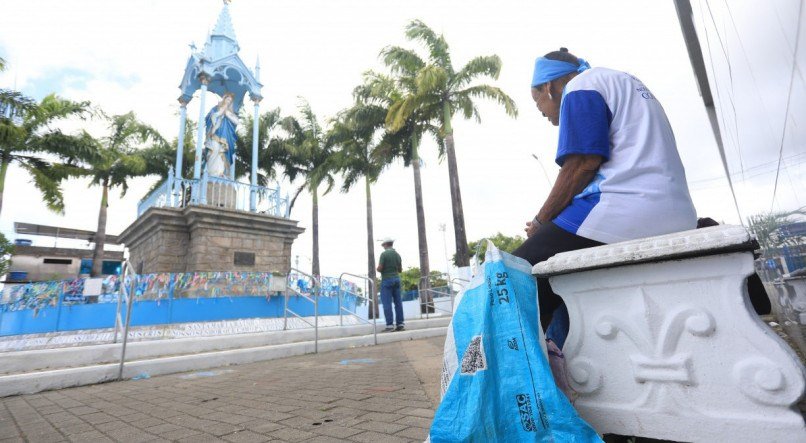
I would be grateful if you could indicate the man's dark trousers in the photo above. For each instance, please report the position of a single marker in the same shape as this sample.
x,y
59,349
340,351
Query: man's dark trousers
x,y
390,293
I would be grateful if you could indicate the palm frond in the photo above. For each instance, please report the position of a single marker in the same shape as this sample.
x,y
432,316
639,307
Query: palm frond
x,y
491,93
401,60
70,148
489,66
432,79
439,53
20,102
54,108
46,184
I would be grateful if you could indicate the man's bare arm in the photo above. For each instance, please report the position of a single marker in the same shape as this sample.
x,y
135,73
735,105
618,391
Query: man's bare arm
x,y
576,173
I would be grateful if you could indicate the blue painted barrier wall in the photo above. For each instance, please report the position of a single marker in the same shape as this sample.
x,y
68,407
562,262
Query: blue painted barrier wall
x,y
61,310
73,317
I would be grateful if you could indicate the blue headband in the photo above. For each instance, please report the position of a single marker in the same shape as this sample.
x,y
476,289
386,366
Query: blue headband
x,y
547,70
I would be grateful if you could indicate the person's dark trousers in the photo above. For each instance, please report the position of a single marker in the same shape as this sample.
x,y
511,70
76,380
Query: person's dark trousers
x,y
390,293
548,241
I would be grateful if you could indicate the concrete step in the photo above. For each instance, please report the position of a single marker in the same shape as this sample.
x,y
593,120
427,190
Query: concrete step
x,y
19,362
32,382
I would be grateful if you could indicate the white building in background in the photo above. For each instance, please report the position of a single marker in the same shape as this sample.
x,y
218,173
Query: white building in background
x,y
30,263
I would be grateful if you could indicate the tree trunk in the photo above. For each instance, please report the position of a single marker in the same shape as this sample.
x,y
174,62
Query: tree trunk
x,y
373,306
315,231
3,170
100,233
422,241
462,255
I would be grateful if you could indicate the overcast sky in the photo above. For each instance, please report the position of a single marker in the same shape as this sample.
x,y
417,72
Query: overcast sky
x,y
130,56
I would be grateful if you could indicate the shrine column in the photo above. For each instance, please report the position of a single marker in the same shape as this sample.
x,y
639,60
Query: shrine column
x,y
205,80
180,145
255,134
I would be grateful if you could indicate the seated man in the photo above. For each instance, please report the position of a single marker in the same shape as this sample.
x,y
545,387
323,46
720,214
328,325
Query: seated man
x,y
621,177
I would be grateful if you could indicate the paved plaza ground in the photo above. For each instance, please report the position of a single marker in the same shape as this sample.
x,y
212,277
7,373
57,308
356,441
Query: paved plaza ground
x,y
384,393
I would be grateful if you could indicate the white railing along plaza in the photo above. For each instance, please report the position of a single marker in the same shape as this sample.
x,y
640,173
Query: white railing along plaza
x,y
215,191
128,283
313,298
428,295
372,300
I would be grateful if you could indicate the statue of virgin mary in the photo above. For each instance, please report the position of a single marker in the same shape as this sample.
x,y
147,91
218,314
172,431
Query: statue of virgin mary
x,y
219,146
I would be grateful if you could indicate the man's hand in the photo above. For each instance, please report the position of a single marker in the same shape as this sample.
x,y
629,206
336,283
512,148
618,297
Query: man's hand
x,y
531,227
575,174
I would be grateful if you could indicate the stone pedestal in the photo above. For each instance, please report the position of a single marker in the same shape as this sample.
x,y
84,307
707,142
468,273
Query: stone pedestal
x,y
205,238
664,342
221,195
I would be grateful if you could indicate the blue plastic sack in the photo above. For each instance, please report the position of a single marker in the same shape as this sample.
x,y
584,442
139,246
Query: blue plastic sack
x,y
496,381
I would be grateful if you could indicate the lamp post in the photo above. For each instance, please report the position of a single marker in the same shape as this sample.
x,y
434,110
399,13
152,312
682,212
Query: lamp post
x,y
445,247
545,174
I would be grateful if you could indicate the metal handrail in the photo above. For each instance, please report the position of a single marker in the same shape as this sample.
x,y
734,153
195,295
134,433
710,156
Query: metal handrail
x,y
422,295
450,287
315,300
373,300
126,268
129,296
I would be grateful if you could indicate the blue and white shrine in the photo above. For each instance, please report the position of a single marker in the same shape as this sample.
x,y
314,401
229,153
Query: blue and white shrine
x,y
217,70
211,221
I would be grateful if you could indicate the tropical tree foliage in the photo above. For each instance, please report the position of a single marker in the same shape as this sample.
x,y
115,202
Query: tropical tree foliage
x,y
6,250
110,162
384,91
501,241
268,144
436,92
410,279
305,152
160,155
30,141
358,133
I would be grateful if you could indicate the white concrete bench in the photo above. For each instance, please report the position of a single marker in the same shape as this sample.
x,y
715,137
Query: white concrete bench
x,y
664,342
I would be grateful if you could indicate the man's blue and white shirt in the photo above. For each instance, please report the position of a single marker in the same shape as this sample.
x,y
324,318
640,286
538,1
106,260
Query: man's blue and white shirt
x,y
640,189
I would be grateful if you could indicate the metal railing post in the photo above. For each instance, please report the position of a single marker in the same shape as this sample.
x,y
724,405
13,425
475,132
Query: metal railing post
x,y
374,307
129,304
315,285
450,288
59,307
423,296
121,290
285,310
372,300
338,300
316,289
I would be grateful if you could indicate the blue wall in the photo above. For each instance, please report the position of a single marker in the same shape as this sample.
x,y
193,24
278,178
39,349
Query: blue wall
x,y
71,317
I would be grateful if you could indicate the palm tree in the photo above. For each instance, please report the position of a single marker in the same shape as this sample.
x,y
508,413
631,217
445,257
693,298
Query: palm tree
x,y
404,141
113,160
361,154
439,92
24,142
268,146
306,152
160,156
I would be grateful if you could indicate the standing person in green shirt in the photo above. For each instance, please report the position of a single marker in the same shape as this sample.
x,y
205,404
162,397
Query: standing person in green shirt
x,y
390,266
